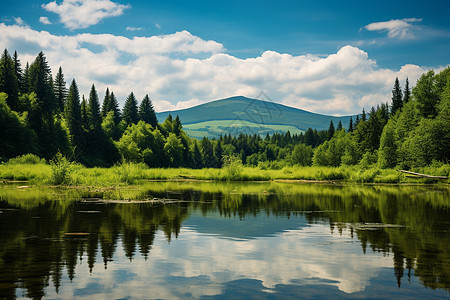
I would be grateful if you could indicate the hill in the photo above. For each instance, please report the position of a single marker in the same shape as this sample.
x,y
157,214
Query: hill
x,y
245,115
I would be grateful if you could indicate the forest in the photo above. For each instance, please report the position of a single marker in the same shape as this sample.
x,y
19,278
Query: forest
x,y
45,116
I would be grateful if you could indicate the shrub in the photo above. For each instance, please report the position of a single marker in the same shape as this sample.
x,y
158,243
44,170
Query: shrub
x,y
60,169
233,167
29,158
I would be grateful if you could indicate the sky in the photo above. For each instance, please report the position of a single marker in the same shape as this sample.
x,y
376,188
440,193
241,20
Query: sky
x,y
330,57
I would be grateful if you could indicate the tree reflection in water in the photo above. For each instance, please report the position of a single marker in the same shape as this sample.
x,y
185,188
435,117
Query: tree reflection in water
x,y
34,249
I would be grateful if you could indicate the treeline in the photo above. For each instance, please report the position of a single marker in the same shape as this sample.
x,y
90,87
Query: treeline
x,y
40,115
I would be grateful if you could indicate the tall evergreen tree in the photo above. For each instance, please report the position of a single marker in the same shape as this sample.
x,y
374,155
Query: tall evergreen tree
x,y
218,154
25,87
41,84
176,125
106,105
147,113
18,71
84,113
95,119
363,115
197,158
407,92
350,125
397,101
114,107
339,127
330,130
8,80
73,115
130,110
60,89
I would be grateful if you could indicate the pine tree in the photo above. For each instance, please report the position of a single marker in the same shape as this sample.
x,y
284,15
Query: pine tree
x,y
84,113
106,106
407,92
350,125
197,157
25,87
339,127
41,83
176,125
130,111
95,119
18,71
363,115
114,107
73,116
397,101
8,80
147,113
60,90
330,130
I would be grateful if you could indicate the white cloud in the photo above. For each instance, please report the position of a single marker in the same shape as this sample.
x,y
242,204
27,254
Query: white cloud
x,y
77,14
129,28
19,21
180,70
401,29
45,20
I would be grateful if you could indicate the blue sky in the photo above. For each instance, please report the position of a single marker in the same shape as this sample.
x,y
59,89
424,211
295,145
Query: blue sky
x,y
183,53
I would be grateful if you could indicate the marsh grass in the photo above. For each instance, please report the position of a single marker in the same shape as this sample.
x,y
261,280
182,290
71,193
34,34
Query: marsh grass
x,y
126,173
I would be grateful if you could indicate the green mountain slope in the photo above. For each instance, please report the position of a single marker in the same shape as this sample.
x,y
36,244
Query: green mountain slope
x,y
241,114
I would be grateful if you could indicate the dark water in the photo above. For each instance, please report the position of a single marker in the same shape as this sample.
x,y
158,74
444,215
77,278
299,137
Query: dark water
x,y
249,241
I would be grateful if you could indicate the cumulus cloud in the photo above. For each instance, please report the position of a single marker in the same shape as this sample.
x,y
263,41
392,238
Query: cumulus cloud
x,y
45,20
401,29
181,70
77,14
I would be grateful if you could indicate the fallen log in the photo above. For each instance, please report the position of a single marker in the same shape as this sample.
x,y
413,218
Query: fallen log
x,y
422,175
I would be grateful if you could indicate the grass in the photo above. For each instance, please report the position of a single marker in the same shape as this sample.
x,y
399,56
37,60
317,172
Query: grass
x,y
125,173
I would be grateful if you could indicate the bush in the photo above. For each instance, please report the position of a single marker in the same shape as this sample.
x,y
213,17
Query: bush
x,y
27,159
233,167
60,169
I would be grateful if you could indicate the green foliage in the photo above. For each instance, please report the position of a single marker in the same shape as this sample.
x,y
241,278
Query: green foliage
x,y
147,112
387,154
233,167
302,155
60,170
130,110
29,158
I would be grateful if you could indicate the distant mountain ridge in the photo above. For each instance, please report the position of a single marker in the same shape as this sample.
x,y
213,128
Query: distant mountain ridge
x,y
245,115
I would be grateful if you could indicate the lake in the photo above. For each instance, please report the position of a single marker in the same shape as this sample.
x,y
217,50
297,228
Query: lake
x,y
226,240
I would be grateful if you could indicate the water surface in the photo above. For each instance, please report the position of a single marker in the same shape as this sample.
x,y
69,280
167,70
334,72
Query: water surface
x,y
211,240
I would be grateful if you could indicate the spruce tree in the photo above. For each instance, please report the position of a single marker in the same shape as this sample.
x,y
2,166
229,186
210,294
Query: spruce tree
x,y
197,157
147,113
60,90
84,113
350,125
41,83
73,116
397,102
339,127
130,111
407,92
363,115
25,87
18,71
114,107
330,130
95,119
8,80
106,105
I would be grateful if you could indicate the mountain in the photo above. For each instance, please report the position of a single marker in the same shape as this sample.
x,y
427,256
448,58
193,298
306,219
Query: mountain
x,y
245,115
